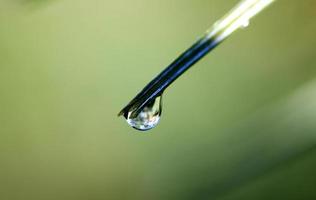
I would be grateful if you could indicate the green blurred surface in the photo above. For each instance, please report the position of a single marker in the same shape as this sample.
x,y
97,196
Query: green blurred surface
x,y
238,125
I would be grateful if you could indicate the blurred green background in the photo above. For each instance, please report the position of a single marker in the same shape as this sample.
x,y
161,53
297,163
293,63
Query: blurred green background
x,y
241,124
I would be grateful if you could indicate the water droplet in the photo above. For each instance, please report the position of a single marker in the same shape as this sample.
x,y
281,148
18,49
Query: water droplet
x,y
148,118
245,24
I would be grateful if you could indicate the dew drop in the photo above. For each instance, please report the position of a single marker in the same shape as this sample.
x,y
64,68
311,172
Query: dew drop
x,y
148,118
245,24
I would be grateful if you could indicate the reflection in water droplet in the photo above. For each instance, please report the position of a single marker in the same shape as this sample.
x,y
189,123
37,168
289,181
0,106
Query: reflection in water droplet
x,y
148,118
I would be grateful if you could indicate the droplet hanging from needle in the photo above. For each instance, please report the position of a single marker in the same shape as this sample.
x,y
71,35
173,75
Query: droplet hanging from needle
x,y
148,117
144,111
